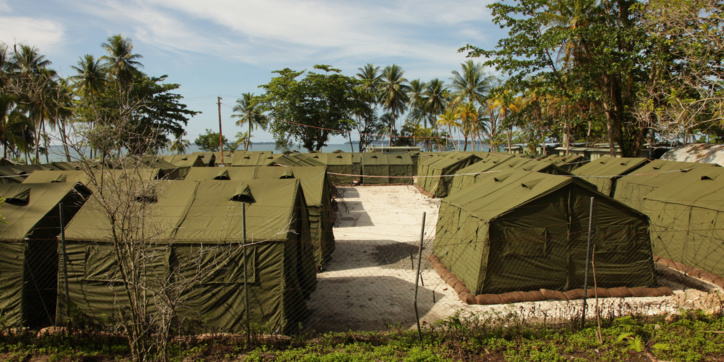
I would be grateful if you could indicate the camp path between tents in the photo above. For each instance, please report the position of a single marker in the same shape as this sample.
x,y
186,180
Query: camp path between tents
x,y
370,281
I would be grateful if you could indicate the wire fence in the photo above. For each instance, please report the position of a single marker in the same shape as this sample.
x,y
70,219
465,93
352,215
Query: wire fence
x,y
386,272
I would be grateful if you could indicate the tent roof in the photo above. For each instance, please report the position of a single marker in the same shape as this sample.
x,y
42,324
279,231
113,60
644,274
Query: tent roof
x,y
451,159
610,166
253,159
660,172
702,187
215,214
73,176
26,204
201,211
295,159
313,179
228,156
500,193
386,159
184,160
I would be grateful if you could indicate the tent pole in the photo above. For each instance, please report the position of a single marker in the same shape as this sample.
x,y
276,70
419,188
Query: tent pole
x,y
417,277
246,281
65,257
588,255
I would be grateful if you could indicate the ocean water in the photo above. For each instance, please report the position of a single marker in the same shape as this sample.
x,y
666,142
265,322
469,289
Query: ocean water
x,y
56,153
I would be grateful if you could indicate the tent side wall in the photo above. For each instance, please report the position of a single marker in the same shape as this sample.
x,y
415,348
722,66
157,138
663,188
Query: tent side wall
x,y
12,261
621,243
529,248
29,268
461,244
687,234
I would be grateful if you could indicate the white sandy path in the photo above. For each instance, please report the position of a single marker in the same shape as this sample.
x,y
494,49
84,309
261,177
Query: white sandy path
x,y
357,291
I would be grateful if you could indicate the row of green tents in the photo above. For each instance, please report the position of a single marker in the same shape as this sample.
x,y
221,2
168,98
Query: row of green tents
x,y
509,223
682,199
441,174
195,226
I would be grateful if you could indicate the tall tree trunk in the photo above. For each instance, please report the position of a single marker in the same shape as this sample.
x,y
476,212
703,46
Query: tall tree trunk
x,y
248,143
567,138
37,140
64,140
510,145
45,142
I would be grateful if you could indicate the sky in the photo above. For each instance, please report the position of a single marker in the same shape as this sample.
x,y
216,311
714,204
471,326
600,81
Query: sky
x,y
223,48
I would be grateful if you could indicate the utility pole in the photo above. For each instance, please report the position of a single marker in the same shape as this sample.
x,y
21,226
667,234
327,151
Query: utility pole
x,y
221,136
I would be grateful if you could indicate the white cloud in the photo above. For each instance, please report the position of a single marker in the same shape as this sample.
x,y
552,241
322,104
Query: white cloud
x,y
267,33
46,35
4,7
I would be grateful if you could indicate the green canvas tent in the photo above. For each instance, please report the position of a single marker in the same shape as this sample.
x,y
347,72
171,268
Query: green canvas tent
x,y
184,161
387,168
253,159
522,231
97,177
438,175
29,249
165,169
228,156
344,168
197,239
634,187
208,158
568,163
468,175
18,173
317,195
604,171
501,162
425,159
297,159
686,218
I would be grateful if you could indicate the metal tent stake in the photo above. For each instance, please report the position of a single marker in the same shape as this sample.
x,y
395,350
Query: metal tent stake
x,y
417,276
588,255
65,258
246,281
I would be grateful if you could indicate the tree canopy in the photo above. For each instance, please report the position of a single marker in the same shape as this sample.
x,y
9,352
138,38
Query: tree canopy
x,y
309,110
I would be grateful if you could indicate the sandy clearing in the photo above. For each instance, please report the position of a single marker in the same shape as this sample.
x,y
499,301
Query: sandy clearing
x,y
370,282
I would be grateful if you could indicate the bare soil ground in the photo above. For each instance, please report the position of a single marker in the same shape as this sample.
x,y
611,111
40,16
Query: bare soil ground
x,y
370,282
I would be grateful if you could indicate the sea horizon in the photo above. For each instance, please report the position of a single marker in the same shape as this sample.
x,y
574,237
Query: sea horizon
x,y
57,154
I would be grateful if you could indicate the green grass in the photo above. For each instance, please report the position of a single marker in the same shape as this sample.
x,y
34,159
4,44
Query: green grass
x,y
692,336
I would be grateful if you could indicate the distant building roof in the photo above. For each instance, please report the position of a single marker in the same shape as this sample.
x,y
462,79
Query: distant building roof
x,y
698,152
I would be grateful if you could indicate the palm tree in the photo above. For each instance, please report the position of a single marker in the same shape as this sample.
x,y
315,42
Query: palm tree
x,y
120,62
394,93
436,99
492,116
248,111
470,84
33,79
179,145
27,61
415,101
90,79
6,67
370,77
449,119
467,113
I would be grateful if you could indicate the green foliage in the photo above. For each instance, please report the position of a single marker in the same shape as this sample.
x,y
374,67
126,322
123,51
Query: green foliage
x,y
691,337
209,141
585,54
311,109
